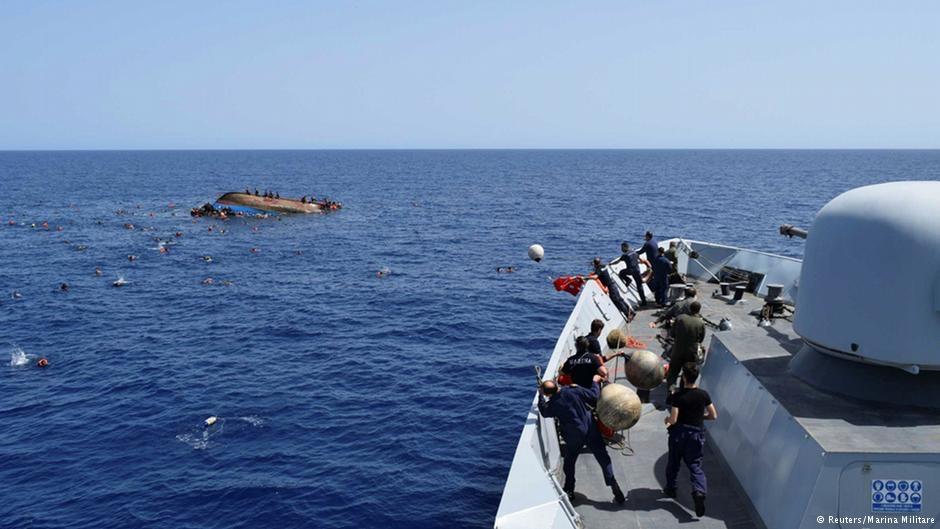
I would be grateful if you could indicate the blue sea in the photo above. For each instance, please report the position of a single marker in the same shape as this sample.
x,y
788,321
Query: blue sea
x,y
345,399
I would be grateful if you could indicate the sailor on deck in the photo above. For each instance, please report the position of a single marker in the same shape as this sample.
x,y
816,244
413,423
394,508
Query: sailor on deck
x,y
584,364
594,345
662,268
673,256
613,290
689,331
677,309
631,270
650,247
691,406
572,406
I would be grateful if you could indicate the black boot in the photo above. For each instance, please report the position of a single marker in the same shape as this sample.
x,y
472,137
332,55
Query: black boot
x,y
570,494
618,494
699,500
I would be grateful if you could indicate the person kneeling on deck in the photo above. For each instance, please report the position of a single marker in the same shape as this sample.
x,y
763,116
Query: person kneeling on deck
x,y
677,309
691,406
689,332
584,364
572,406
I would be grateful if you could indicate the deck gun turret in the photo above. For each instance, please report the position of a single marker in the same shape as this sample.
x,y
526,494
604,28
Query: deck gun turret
x,y
791,231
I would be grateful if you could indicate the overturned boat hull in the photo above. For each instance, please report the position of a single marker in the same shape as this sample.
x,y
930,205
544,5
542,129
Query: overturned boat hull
x,y
252,204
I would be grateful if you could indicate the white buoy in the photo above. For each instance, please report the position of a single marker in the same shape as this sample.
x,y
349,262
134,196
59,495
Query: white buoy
x,y
211,420
619,407
536,252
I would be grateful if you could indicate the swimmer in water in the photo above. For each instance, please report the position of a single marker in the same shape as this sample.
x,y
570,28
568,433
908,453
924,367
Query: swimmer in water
x,y
385,271
64,287
42,363
506,269
16,294
132,258
207,281
98,272
207,258
254,250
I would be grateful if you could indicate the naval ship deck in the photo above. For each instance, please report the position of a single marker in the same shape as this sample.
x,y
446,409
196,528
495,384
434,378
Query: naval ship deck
x,y
642,474
765,352
783,451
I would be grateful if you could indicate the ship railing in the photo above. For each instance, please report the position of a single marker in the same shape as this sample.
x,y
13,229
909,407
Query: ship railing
x,y
533,495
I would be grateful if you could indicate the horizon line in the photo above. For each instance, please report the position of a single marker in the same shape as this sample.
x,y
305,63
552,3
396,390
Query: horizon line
x,y
293,149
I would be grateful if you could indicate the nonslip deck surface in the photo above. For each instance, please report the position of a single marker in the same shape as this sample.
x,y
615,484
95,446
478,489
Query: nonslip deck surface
x,y
642,474
838,423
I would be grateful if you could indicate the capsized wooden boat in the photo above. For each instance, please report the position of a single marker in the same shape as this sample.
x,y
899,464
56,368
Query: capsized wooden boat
x,y
253,204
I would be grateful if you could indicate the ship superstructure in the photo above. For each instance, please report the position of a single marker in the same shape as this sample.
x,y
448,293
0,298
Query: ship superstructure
x,y
822,422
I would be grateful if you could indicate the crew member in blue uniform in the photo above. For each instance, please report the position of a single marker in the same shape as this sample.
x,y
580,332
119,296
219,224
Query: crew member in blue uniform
x,y
584,364
650,247
613,290
572,406
691,406
662,267
631,270
594,345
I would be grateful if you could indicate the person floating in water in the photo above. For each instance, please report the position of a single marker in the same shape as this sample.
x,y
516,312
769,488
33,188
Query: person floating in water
x,y
506,269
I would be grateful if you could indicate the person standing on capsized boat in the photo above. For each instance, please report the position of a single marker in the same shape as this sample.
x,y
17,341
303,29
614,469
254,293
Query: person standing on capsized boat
x,y
572,406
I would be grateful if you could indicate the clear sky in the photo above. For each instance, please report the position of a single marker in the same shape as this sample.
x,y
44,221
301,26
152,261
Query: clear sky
x,y
472,74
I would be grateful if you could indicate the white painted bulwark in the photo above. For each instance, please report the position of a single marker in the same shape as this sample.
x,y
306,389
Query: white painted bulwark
x,y
872,262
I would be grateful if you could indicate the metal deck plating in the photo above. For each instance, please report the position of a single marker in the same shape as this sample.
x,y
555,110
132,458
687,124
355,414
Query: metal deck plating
x,y
781,454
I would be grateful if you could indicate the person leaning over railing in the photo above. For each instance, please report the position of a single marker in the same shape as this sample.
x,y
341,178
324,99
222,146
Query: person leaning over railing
x,y
573,406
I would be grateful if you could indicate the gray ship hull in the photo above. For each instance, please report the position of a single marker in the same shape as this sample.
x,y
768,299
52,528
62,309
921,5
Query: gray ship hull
x,y
783,454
